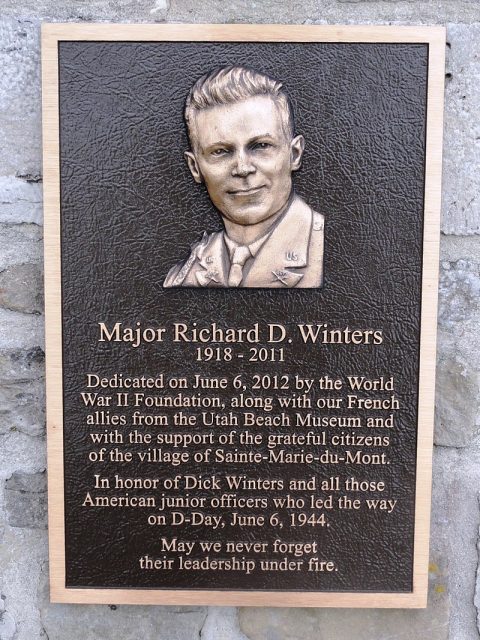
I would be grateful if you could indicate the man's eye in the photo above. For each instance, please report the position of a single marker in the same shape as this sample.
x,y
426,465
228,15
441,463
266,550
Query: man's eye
x,y
262,145
219,152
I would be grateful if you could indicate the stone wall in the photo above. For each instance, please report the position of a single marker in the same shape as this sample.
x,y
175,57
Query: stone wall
x,y
454,602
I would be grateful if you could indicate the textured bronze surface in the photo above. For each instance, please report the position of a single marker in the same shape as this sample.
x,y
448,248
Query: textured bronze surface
x,y
128,209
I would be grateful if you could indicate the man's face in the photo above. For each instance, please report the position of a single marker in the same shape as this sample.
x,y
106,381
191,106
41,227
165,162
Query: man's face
x,y
245,157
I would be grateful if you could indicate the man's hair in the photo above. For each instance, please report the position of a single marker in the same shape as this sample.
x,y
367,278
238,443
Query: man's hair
x,y
231,84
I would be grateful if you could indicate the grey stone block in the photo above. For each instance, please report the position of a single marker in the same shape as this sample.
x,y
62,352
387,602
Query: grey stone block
x,y
454,248
22,365
22,553
26,500
20,243
22,391
20,201
461,198
20,453
459,291
27,483
21,288
456,406
266,11
20,330
20,112
455,517
95,10
325,11
457,415
8,627
101,622
358,624
23,407
222,623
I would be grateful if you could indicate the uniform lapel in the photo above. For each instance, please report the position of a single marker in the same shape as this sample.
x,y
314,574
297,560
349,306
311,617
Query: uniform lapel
x,y
280,261
211,266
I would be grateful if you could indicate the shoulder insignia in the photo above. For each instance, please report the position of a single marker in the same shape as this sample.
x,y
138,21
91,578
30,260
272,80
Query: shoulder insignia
x,y
318,221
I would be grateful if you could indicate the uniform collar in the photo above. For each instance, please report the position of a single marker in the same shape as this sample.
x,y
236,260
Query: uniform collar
x,y
286,250
253,247
278,256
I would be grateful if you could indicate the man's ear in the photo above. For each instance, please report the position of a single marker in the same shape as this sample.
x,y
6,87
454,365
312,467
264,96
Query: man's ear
x,y
296,149
193,166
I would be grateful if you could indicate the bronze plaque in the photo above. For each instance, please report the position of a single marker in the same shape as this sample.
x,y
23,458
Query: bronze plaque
x,y
241,256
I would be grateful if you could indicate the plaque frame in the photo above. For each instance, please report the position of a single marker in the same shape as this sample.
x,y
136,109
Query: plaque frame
x,y
52,35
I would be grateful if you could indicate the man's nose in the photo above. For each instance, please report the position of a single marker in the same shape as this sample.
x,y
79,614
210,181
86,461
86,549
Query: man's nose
x,y
243,165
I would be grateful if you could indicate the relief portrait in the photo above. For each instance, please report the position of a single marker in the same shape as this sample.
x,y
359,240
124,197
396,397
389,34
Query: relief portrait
x,y
244,148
